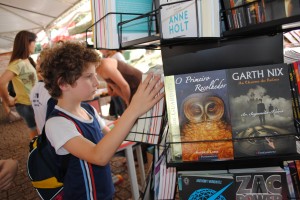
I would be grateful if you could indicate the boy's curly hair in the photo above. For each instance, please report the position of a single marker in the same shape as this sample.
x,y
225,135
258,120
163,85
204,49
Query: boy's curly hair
x,y
65,64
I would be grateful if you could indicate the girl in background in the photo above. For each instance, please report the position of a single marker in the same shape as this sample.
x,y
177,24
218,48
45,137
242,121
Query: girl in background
x,y
23,76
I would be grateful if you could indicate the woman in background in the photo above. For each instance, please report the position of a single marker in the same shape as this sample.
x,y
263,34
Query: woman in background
x,y
122,80
23,76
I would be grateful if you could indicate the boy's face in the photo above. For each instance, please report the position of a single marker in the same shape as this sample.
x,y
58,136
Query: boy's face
x,y
86,86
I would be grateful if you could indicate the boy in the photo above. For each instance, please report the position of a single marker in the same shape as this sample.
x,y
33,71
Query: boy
x,y
70,76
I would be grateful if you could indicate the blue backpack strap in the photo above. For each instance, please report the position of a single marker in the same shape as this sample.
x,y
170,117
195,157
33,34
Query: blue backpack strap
x,y
64,158
50,106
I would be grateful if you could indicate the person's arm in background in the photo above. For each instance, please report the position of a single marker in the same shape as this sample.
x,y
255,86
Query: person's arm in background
x,y
8,171
4,79
108,70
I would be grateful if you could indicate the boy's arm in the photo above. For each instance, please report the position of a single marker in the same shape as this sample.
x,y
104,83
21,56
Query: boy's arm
x,y
100,154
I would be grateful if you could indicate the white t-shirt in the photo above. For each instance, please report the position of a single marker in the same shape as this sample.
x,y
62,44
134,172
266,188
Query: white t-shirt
x,y
59,130
119,56
39,97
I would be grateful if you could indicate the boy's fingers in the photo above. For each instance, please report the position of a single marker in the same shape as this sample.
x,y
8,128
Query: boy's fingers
x,y
158,98
156,90
145,83
153,82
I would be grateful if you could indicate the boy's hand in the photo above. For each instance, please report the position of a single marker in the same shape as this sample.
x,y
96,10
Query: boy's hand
x,y
8,171
147,95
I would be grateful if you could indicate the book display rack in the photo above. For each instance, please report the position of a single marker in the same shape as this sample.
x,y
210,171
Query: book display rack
x,y
229,99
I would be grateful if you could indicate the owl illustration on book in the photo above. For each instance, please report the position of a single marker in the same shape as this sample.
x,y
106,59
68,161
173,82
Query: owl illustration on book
x,y
205,128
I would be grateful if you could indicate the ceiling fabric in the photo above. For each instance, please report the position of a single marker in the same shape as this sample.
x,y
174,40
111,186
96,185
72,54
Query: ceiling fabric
x,y
31,15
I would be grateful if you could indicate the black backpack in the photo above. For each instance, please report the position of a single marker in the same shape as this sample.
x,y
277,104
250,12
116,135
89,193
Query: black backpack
x,y
42,166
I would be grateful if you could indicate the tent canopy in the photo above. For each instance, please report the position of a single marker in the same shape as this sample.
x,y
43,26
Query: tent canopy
x,y
31,15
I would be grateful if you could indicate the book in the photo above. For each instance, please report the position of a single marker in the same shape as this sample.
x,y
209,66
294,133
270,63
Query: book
x,y
178,20
165,179
261,110
229,17
297,163
295,95
110,33
148,127
206,186
274,9
254,12
289,180
198,116
209,18
238,13
260,183
190,19
294,177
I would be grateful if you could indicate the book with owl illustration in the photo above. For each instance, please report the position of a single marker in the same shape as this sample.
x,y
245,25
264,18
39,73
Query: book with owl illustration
x,y
261,110
206,186
198,117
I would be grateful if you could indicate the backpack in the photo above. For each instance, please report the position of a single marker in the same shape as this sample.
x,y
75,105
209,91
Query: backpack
x,y
42,166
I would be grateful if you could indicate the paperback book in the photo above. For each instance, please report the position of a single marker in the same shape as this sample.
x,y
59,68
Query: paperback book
x,y
260,183
206,186
109,14
254,12
148,127
178,19
190,19
261,111
198,116
238,13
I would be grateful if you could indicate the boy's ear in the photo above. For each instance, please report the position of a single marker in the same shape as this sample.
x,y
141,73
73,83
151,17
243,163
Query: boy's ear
x,y
62,85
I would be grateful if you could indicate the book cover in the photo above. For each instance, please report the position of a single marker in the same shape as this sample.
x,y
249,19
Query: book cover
x,y
198,116
217,186
178,20
261,110
257,184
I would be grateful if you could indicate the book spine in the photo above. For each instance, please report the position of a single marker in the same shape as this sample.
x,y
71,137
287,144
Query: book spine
x,y
171,102
251,12
234,14
228,14
296,90
295,178
295,102
289,180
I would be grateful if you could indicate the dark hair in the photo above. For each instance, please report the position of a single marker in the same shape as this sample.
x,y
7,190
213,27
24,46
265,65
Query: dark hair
x,y
65,64
21,45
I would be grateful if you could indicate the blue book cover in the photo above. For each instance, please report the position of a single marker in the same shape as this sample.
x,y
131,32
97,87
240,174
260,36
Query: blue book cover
x,y
217,186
